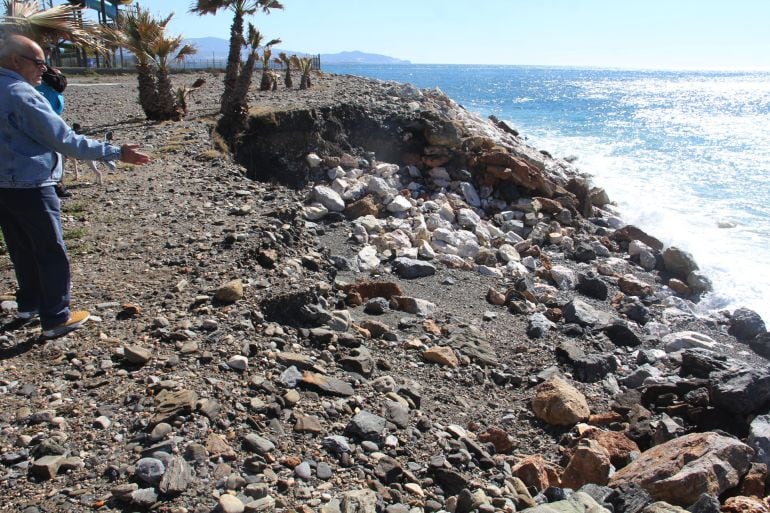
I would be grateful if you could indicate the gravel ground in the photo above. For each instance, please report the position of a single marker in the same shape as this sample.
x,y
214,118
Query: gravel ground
x,y
149,248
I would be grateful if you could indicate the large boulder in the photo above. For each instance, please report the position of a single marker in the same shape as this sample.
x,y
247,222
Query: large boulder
x,y
680,470
558,403
678,262
746,324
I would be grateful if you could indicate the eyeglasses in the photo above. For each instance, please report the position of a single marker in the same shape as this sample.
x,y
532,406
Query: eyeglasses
x,y
38,62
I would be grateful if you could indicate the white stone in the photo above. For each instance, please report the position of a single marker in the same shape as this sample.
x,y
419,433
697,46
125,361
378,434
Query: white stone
x,y
688,340
467,244
482,234
313,160
377,185
425,251
635,247
329,198
467,218
434,222
485,270
339,185
564,277
445,235
355,191
397,240
447,212
370,223
470,194
615,222
335,172
439,173
386,170
367,259
508,253
359,234
399,204
444,248
314,211
238,362
231,504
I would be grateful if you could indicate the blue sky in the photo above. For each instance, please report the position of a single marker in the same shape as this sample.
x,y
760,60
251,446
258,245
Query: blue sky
x,y
703,34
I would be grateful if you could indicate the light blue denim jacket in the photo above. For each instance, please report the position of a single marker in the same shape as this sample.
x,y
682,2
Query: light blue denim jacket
x,y
32,136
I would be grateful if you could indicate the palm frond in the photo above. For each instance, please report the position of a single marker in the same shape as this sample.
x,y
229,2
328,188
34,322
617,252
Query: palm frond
x,y
49,26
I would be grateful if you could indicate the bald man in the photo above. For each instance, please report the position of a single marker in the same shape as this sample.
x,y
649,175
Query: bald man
x,y
32,137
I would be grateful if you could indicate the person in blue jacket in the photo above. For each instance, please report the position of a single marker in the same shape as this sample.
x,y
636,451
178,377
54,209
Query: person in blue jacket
x,y
32,136
52,86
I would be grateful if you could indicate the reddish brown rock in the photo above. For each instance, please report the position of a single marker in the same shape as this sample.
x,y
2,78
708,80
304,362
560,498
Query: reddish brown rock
x,y
500,166
217,447
441,355
558,403
680,470
679,287
590,463
743,504
537,473
633,286
605,418
369,289
753,484
499,438
366,206
629,233
618,446
495,298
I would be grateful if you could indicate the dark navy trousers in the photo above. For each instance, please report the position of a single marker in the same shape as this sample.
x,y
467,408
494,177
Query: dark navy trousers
x,y
31,224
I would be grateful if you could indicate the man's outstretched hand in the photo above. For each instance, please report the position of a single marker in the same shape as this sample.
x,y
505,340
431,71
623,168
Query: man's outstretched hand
x,y
129,155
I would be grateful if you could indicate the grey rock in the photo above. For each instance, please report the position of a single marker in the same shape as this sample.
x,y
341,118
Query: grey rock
x,y
144,497
761,345
255,443
746,324
678,262
177,477
409,268
397,413
591,285
621,334
150,470
706,503
377,306
303,471
336,444
323,471
262,505
759,438
359,501
136,355
291,377
366,426
47,467
586,368
580,312
741,391
538,325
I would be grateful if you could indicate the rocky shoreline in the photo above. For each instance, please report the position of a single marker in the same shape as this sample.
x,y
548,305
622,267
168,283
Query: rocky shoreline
x,y
434,317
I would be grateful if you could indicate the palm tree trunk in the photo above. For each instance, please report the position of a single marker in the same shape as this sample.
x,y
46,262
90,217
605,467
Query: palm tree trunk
x,y
304,81
166,98
233,60
148,91
265,83
234,120
287,79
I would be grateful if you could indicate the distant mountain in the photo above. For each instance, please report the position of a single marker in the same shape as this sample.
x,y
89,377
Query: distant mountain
x,y
218,48
359,58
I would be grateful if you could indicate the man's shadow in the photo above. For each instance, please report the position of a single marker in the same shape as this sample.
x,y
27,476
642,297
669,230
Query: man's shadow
x,y
12,351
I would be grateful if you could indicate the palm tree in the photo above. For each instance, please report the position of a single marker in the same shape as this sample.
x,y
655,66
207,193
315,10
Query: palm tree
x,y
48,27
286,61
161,49
240,9
305,65
138,29
267,76
237,111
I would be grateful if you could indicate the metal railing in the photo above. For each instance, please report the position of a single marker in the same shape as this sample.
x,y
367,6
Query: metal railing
x,y
193,63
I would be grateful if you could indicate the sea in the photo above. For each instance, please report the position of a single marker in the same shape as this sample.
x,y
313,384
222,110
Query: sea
x,y
685,155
